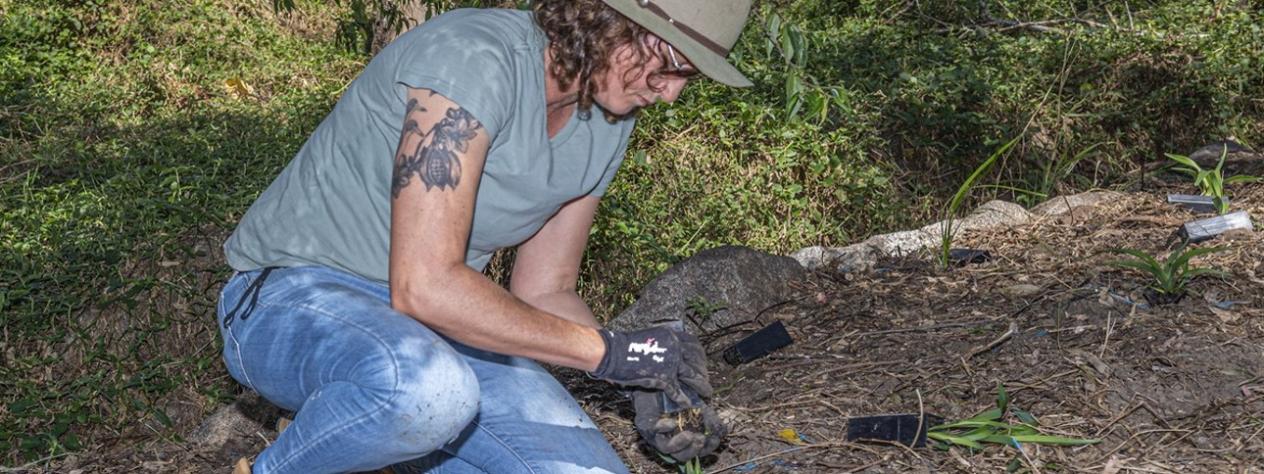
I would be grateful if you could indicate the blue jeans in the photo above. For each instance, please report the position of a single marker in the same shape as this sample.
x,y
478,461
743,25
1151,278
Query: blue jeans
x,y
373,387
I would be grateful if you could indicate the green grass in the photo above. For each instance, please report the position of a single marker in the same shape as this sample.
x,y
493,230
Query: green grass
x,y
126,158
125,162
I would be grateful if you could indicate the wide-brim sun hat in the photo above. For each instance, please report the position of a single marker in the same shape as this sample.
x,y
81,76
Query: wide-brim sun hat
x,y
702,30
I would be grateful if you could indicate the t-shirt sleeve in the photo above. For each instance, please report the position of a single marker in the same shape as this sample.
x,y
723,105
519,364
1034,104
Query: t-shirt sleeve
x,y
466,62
620,152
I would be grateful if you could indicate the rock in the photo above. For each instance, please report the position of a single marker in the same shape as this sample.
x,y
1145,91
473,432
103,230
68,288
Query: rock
x,y
996,213
862,256
853,258
1062,204
243,418
1209,155
742,280
1020,290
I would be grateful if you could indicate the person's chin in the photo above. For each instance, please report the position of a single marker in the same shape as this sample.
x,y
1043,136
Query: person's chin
x,y
622,110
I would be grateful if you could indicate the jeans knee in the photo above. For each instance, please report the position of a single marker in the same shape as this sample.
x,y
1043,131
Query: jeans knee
x,y
435,399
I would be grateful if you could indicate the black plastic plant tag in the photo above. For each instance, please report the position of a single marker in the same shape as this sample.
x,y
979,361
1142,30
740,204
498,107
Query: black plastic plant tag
x,y
968,256
901,428
1194,203
1203,229
758,344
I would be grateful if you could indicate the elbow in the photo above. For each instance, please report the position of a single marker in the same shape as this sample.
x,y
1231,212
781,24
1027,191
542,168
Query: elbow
x,y
420,297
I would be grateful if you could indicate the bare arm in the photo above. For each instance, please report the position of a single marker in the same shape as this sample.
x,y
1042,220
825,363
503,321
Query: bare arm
x,y
440,157
546,268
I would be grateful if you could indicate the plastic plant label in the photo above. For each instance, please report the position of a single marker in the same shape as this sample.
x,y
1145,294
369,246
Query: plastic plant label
x,y
1194,202
758,344
907,429
968,256
1203,229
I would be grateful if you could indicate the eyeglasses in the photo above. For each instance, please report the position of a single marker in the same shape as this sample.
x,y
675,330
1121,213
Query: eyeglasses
x,y
677,69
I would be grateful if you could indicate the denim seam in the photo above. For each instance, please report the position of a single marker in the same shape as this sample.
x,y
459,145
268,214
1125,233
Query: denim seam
x,y
241,362
504,443
374,410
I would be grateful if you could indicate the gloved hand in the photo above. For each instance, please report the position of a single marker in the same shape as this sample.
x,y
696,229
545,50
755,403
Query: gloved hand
x,y
683,435
659,357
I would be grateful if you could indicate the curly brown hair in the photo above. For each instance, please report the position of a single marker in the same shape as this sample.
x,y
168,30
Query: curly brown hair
x,y
583,36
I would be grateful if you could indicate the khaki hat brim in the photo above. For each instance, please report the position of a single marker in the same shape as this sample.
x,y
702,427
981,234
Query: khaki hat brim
x,y
707,61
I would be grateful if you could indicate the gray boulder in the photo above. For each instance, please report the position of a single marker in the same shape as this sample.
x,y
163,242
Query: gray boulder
x,y
739,281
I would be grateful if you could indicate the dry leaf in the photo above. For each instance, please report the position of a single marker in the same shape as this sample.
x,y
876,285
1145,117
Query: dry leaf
x,y
791,436
1225,315
239,87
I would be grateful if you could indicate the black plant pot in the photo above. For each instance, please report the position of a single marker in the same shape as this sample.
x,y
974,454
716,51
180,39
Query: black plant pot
x,y
1159,299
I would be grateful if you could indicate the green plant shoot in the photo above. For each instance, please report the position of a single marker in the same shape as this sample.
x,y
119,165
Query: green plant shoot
x,y
948,231
990,427
1170,276
1210,182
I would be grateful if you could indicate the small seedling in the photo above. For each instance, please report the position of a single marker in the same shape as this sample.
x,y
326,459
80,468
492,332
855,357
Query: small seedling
x,y
991,427
699,310
702,308
692,466
1210,182
1171,275
948,231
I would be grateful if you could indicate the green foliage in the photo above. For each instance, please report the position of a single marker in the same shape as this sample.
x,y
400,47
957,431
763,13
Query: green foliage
x,y
1210,182
134,133
124,161
948,231
359,27
692,466
991,427
1170,276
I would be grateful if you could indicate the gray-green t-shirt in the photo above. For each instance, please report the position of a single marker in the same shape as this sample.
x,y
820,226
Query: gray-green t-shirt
x,y
331,205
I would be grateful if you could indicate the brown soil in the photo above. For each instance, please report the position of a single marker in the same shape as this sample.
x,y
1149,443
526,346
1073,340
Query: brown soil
x,y
1173,388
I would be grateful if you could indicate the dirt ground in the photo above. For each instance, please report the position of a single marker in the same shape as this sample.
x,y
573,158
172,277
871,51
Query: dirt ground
x,y
1168,389
1172,388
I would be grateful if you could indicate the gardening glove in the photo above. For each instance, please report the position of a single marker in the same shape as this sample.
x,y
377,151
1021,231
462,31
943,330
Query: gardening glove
x,y
683,435
660,358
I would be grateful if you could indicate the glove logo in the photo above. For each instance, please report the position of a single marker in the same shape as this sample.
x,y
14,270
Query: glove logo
x,y
650,348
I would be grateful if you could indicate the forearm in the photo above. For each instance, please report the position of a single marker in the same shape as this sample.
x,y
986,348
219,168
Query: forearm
x,y
565,304
464,305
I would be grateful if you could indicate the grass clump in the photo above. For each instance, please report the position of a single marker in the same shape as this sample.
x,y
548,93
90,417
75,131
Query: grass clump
x,y
1167,278
124,162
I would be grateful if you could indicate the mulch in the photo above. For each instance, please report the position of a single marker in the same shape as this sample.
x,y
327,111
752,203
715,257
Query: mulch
x,y
1173,388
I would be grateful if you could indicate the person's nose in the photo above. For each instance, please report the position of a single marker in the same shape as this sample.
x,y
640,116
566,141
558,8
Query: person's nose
x,y
672,90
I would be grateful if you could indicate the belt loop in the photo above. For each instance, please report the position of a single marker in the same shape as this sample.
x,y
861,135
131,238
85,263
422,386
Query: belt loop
x,y
253,292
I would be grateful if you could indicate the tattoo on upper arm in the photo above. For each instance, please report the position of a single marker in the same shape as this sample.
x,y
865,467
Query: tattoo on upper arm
x,y
434,161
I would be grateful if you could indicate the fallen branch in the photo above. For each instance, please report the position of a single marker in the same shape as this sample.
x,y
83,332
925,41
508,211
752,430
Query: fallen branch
x,y
1013,328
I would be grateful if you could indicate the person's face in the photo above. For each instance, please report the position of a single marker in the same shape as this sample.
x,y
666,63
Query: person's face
x,y
661,77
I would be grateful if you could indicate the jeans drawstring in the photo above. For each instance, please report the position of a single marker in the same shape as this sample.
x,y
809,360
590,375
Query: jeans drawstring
x,y
252,291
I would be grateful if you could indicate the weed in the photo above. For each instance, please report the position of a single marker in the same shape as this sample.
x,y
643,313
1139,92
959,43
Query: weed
x,y
692,466
1170,276
990,427
699,310
948,230
1210,182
